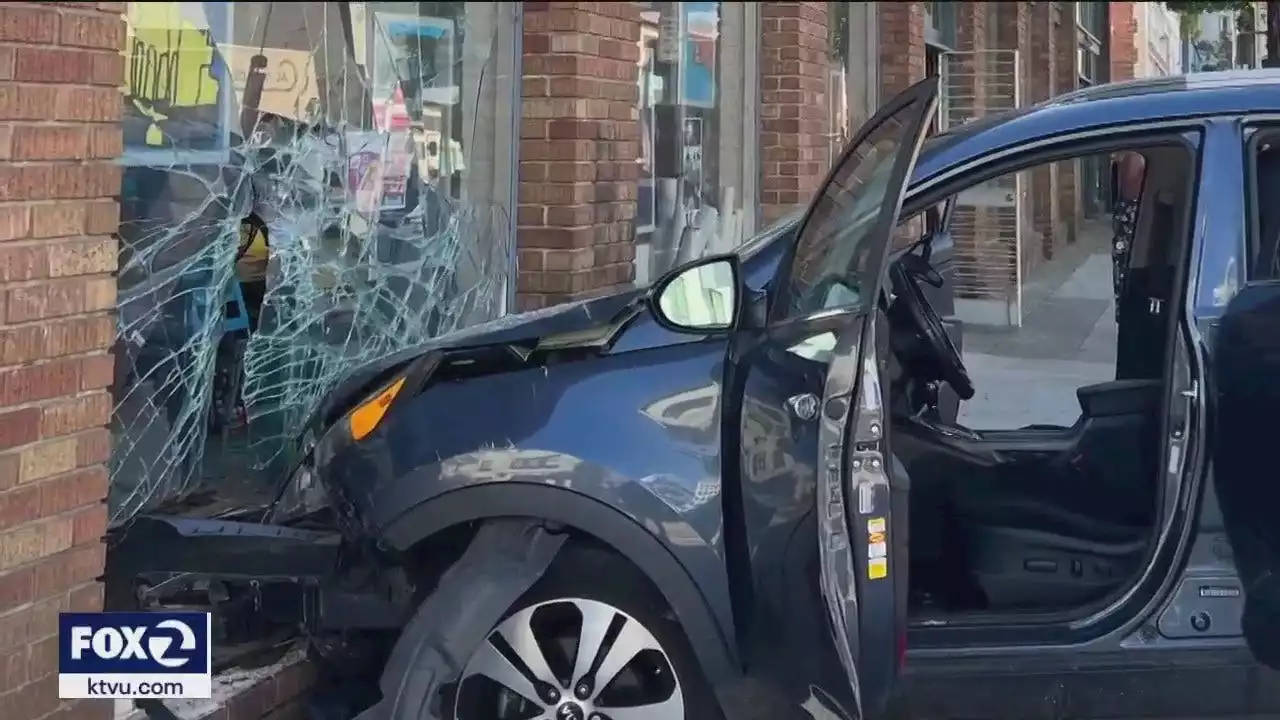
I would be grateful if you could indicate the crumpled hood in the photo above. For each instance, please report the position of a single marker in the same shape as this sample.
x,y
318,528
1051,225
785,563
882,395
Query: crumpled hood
x,y
523,329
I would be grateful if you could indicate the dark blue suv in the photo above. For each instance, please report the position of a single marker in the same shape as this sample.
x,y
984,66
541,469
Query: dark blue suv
x,y
744,492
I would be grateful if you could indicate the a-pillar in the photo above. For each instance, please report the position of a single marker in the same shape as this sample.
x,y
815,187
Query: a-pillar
x,y
61,69
795,112
579,141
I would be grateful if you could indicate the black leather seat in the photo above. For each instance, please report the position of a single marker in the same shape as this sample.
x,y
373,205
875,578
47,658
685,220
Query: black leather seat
x,y
1041,511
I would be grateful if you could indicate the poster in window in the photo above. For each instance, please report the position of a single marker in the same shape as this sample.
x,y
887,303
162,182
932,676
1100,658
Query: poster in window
x,y
698,64
178,90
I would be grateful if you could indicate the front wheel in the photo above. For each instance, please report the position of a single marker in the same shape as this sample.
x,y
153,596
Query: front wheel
x,y
591,640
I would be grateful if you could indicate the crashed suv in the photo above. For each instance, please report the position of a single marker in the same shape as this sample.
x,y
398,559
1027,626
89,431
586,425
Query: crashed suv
x,y
719,496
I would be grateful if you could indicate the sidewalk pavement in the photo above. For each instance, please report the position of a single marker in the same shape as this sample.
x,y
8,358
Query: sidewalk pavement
x,y
1029,374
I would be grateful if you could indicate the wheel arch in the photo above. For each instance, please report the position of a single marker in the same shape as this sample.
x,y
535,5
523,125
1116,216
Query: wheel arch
x,y
607,525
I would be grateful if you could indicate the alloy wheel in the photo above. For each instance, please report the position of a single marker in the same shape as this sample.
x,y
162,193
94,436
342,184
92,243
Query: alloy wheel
x,y
569,659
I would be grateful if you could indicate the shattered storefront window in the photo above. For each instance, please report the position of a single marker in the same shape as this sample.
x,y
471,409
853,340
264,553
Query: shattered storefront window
x,y
308,187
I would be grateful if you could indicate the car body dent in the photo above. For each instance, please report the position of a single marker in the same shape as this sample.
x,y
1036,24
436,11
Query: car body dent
x,y
572,427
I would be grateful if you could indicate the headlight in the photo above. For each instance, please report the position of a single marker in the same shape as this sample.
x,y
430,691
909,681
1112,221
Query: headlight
x,y
303,495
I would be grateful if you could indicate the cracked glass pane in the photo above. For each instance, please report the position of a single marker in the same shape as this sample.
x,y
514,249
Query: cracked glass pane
x,y
308,187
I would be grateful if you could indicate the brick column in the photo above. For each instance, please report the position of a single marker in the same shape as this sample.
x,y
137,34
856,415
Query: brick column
x,y
60,72
579,141
1039,86
794,111
966,100
1123,41
966,92
901,47
1067,79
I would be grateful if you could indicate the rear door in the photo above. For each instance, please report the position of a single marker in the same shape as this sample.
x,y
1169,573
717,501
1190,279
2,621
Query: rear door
x,y
821,363
1244,391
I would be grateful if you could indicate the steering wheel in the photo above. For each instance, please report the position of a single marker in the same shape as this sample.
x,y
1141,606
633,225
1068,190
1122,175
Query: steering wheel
x,y
905,275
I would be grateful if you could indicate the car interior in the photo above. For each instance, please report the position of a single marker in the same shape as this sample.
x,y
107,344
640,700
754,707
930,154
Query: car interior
x,y
1043,518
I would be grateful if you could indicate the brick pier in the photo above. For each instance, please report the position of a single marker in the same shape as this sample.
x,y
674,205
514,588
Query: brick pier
x,y
60,72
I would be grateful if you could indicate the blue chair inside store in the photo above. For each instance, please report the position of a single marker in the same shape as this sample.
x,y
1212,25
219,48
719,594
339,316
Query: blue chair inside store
x,y
237,313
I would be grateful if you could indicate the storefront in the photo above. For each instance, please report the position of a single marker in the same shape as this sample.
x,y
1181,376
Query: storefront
x,y
306,187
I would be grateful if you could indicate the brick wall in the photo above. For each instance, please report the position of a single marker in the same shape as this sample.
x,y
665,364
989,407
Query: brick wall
x,y
794,112
1066,75
60,70
1123,41
901,47
1040,87
579,140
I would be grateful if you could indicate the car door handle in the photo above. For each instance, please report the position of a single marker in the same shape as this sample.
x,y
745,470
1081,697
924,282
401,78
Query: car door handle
x,y
804,406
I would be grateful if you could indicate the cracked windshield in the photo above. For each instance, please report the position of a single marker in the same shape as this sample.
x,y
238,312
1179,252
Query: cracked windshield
x,y
310,187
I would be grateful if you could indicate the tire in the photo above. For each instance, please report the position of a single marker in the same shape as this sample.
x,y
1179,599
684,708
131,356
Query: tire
x,y
582,587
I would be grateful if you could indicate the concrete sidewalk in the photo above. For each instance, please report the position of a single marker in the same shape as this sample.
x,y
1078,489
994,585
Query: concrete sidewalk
x,y
1029,374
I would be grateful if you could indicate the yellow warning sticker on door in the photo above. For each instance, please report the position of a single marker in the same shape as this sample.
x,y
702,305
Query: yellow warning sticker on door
x,y
877,548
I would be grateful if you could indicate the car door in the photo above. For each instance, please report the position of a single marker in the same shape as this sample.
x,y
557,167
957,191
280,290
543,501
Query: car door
x,y
814,436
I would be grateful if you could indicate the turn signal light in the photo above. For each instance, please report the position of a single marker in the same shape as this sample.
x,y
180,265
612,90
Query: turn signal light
x,y
365,419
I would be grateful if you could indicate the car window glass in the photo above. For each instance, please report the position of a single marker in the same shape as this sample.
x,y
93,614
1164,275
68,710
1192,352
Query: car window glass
x,y
837,259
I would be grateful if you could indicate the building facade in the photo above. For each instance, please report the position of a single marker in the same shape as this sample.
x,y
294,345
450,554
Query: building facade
x,y
210,210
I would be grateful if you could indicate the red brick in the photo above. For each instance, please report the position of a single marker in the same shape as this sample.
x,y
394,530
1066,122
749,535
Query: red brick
x,y
93,446
97,31
89,525
50,142
17,587
85,599
19,506
28,24
86,709
68,66
78,413
72,490
68,570
33,700
19,427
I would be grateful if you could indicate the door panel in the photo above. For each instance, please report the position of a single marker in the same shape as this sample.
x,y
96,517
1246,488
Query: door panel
x,y
816,497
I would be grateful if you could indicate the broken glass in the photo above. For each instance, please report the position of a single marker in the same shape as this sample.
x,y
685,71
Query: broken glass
x,y
308,187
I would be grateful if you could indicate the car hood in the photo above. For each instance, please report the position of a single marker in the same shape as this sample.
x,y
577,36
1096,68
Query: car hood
x,y
574,324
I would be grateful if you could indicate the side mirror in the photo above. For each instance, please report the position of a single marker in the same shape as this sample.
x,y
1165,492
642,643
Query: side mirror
x,y
703,296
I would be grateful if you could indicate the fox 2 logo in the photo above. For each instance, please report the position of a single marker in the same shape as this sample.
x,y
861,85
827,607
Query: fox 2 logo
x,y
134,643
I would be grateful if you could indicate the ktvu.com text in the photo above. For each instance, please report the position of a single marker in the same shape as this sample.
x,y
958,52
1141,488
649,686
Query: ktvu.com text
x,y
158,656
134,687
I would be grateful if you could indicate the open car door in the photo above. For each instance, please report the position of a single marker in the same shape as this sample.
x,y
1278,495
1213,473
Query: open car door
x,y
829,300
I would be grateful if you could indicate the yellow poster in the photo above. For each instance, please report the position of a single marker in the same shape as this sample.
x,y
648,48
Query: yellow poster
x,y
171,66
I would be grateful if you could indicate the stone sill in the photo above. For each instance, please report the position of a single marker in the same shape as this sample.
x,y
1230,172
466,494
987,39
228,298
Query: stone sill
x,y
272,691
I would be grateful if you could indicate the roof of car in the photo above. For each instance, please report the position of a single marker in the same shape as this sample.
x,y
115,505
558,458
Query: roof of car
x,y
1232,92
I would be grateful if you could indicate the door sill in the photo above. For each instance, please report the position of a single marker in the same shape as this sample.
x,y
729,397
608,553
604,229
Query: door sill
x,y
1012,618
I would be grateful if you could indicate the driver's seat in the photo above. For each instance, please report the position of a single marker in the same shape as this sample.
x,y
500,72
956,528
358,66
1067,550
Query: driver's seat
x,y
1041,515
